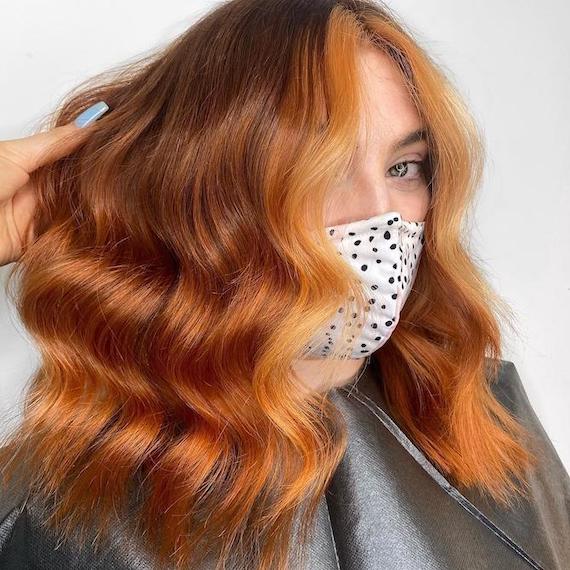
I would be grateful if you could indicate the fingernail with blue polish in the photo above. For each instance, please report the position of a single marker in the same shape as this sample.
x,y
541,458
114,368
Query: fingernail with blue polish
x,y
91,114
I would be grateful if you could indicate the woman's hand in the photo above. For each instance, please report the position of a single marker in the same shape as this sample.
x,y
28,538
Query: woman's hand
x,y
20,157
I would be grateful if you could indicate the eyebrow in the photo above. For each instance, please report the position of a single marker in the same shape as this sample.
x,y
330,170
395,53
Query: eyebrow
x,y
410,138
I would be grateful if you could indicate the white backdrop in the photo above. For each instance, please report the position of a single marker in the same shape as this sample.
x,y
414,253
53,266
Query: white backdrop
x,y
510,60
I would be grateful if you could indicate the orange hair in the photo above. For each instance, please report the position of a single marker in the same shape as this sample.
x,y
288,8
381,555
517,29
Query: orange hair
x,y
181,265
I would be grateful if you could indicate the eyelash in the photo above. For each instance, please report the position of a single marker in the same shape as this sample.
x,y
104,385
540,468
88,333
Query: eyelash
x,y
420,163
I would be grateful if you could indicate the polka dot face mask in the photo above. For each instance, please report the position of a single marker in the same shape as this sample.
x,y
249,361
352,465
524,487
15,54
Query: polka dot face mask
x,y
384,251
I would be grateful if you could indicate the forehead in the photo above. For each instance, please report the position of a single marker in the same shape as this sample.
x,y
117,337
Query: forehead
x,y
387,110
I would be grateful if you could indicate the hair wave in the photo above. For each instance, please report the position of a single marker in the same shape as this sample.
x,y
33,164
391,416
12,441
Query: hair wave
x,y
180,266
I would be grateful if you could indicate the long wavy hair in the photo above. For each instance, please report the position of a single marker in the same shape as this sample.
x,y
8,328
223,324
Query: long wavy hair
x,y
181,264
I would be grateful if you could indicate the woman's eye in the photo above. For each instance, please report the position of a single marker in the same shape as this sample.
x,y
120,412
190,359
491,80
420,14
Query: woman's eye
x,y
402,169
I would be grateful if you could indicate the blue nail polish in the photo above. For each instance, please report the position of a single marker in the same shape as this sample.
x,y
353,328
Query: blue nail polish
x,y
91,114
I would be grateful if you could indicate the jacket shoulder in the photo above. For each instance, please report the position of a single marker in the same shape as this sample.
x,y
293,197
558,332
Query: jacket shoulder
x,y
26,542
509,389
508,386
541,520
13,498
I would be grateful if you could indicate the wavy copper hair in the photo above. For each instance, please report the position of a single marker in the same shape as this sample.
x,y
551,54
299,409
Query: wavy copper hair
x,y
180,266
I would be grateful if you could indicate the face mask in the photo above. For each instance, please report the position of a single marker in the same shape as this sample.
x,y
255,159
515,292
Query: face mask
x,y
384,251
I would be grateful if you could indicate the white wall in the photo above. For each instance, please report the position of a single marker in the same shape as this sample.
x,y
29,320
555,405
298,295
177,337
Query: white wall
x,y
510,60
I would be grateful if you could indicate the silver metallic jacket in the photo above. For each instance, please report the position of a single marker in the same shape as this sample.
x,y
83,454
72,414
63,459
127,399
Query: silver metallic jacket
x,y
387,507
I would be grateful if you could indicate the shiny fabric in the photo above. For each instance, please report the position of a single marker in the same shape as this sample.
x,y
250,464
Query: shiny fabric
x,y
387,506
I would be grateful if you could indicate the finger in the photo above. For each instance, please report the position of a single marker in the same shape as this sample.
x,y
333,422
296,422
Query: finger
x,y
12,177
20,157
42,148
24,204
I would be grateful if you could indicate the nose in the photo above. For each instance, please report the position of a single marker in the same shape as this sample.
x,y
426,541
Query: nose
x,y
373,197
369,195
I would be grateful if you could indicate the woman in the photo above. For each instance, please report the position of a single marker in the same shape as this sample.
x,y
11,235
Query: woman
x,y
264,342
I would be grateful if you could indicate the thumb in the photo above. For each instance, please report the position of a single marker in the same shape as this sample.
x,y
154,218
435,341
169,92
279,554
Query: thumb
x,y
42,148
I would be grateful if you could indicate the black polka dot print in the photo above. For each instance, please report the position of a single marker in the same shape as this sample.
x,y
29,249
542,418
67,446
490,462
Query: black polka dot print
x,y
384,251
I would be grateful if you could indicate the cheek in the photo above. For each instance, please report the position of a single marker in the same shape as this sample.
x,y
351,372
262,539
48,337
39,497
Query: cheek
x,y
413,205
341,205
422,202
340,214
350,201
